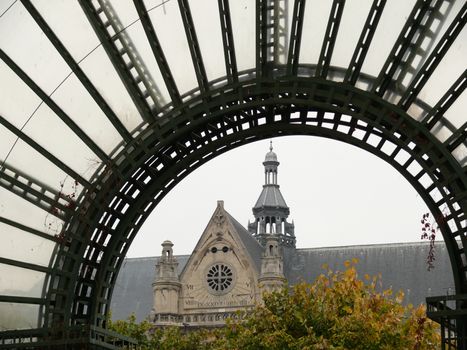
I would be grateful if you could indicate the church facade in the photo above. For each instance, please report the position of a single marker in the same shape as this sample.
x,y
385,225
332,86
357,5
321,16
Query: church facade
x,y
230,267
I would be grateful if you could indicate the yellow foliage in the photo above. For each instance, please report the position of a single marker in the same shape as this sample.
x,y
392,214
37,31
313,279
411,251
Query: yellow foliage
x,y
337,311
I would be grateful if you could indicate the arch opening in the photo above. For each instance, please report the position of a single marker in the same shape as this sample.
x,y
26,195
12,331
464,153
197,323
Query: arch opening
x,y
143,178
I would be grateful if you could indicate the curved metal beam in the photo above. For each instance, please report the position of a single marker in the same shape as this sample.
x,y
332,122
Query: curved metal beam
x,y
123,69
119,210
295,37
361,49
193,44
330,36
122,193
262,42
158,52
228,41
111,116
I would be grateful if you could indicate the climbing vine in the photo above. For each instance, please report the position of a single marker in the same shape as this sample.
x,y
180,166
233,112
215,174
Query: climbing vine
x,y
65,200
430,228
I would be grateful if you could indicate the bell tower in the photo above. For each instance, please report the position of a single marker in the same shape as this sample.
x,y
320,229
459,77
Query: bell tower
x,y
271,211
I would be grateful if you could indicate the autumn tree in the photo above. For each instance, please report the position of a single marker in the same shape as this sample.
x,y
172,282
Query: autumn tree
x,y
337,311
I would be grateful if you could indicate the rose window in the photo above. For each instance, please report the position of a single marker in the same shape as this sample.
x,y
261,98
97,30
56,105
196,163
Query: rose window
x,y
219,277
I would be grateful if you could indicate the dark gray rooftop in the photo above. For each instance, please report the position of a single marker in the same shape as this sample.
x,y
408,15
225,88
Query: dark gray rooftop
x,y
252,246
402,266
133,288
270,196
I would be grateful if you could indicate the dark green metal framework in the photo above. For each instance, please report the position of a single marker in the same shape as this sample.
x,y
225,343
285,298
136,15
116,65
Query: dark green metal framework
x,y
270,100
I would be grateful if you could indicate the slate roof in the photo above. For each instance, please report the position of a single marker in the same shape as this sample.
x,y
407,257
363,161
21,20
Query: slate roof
x,y
133,288
252,246
402,266
270,196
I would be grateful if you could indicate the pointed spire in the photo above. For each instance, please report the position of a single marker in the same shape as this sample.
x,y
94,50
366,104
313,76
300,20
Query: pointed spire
x,y
271,210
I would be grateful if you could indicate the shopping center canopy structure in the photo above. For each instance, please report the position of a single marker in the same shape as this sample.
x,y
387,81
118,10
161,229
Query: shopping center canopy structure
x,y
106,105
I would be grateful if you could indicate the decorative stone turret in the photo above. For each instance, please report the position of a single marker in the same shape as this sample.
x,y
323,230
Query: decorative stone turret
x,y
166,287
271,277
270,210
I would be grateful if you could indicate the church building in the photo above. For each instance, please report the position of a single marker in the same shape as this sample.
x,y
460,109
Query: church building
x,y
232,266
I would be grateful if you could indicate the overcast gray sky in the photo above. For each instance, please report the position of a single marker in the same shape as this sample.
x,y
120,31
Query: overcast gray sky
x,y
337,194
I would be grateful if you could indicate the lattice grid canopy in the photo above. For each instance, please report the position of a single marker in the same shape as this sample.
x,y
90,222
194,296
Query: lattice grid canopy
x,y
106,105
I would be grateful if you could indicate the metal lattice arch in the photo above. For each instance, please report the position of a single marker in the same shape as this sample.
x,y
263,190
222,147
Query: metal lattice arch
x,y
105,106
